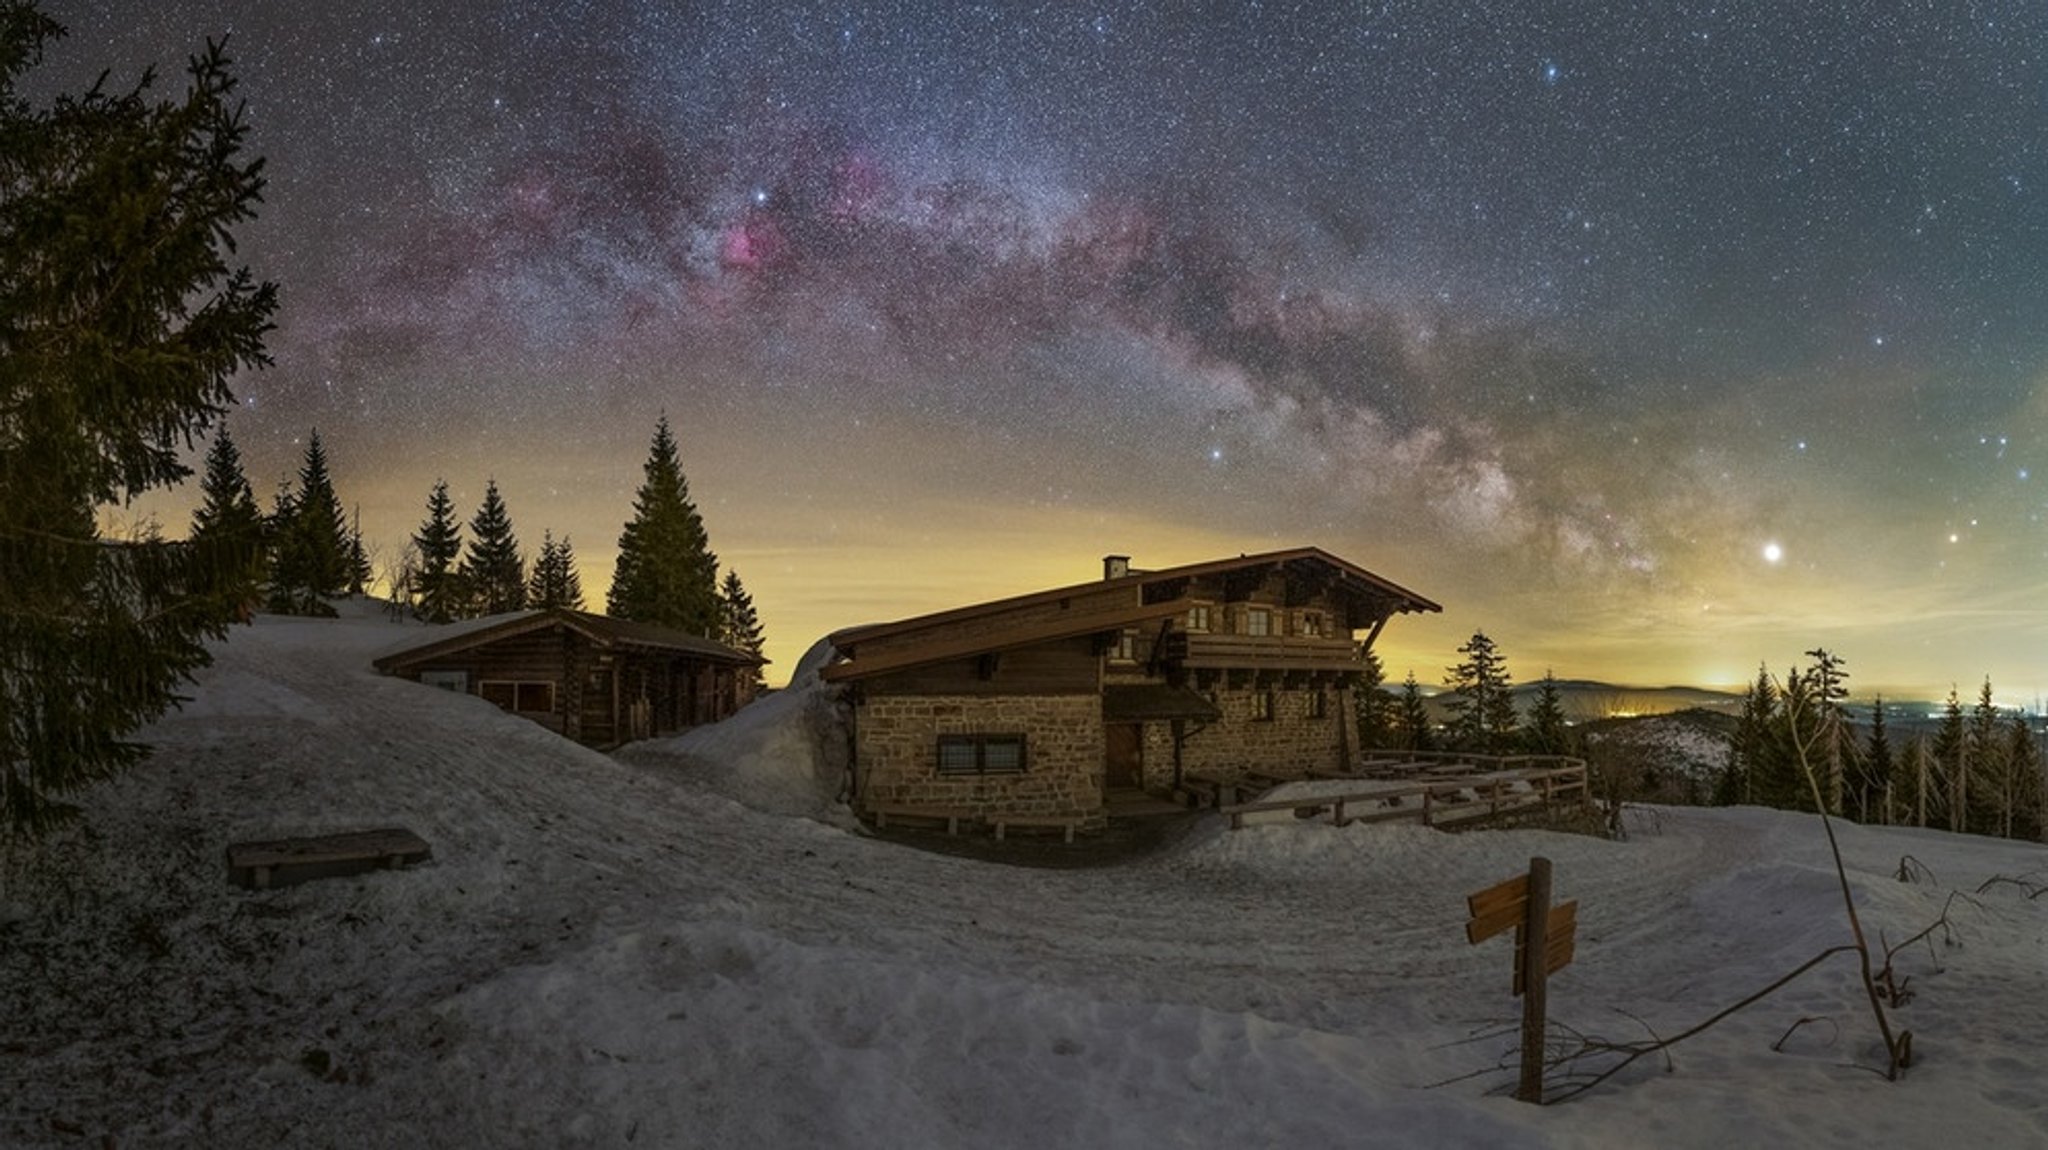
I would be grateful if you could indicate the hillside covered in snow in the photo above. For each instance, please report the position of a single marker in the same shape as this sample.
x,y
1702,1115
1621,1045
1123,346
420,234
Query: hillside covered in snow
x,y
691,945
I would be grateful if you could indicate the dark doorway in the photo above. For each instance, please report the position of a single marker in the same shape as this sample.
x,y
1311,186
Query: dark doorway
x,y
1124,755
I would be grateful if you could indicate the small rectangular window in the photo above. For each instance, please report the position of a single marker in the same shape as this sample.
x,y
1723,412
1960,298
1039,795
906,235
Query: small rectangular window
x,y
1258,621
1311,623
1198,617
1126,647
1002,754
958,756
1262,705
532,697
1318,705
980,754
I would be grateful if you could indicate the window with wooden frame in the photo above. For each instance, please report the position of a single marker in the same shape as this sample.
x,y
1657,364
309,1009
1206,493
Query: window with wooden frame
x,y
1126,649
1262,706
1312,624
525,697
981,754
1318,705
1198,617
1258,621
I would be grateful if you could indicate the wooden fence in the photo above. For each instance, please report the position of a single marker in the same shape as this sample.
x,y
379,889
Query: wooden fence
x,y
1435,790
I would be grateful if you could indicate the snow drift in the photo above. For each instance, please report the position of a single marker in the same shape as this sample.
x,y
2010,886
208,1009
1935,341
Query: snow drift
x,y
670,948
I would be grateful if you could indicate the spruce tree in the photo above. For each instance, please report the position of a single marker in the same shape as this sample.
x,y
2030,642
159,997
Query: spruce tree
x,y
1989,810
554,582
121,324
1482,709
1832,750
1868,798
1952,762
739,625
435,581
1777,780
1414,717
666,573
493,572
228,528
358,557
2023,764
1915,785
1376,710
1548,733
311,557
1749,750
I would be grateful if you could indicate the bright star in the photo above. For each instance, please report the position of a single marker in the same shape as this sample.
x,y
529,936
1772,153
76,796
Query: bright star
x,y
1773,553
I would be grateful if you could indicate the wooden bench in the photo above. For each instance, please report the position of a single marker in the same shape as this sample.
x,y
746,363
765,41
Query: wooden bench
x,y
1068,823
1199,791
952,818
281,862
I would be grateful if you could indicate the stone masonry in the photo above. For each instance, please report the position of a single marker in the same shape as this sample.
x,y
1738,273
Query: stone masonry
x,y
1290,744
897,749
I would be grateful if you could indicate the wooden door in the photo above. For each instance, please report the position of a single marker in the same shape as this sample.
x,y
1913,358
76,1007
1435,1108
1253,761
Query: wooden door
x,y
1124,755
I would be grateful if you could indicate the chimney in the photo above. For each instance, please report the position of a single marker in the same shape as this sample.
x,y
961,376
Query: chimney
x,y
1115,566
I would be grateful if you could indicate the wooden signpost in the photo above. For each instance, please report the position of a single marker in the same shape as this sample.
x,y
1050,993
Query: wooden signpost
x,y
1543,946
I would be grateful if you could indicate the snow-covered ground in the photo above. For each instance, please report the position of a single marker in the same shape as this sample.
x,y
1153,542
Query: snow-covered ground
x,y
689,946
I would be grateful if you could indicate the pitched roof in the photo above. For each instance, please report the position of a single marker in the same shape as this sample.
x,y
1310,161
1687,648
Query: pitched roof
x,y
1403,600
1010,638
602,630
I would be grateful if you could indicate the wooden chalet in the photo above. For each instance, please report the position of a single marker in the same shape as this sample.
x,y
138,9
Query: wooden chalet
x,y
1048,707
598,680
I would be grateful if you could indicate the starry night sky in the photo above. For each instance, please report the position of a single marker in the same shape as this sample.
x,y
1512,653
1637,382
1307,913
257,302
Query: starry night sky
x,y
1656,340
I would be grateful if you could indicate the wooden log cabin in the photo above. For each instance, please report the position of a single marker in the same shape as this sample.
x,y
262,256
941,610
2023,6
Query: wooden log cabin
x,y
597,680
1049,706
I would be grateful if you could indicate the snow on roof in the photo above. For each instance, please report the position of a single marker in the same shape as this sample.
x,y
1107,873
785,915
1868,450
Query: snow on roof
x,y
602,629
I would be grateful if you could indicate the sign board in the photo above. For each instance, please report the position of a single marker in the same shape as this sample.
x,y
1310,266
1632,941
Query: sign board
x,y
1497,908
1522,904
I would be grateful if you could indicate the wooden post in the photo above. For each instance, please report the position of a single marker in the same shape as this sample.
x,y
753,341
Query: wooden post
x,y
1534,956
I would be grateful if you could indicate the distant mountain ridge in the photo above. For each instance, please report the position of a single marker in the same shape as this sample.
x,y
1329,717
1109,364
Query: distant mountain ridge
x,y
1588,700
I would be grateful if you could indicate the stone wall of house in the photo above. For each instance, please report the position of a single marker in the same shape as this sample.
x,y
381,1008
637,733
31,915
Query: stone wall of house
x,y
896,744
1290,743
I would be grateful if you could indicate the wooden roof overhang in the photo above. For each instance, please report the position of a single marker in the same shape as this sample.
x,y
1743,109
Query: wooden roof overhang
x,y
1306,568
946,648
601,631
1305,573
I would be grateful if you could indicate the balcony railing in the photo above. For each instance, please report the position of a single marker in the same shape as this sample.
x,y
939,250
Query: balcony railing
x,y
1202,650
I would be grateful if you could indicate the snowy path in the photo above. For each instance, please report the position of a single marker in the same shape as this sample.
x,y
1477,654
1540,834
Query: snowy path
x,y
608,952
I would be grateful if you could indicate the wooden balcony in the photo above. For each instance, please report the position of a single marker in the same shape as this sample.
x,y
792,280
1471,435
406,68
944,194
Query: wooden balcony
x,y
1202,650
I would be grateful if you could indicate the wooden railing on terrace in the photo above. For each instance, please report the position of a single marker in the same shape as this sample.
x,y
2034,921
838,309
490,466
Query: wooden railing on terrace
x,y
1211,650
1433,789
